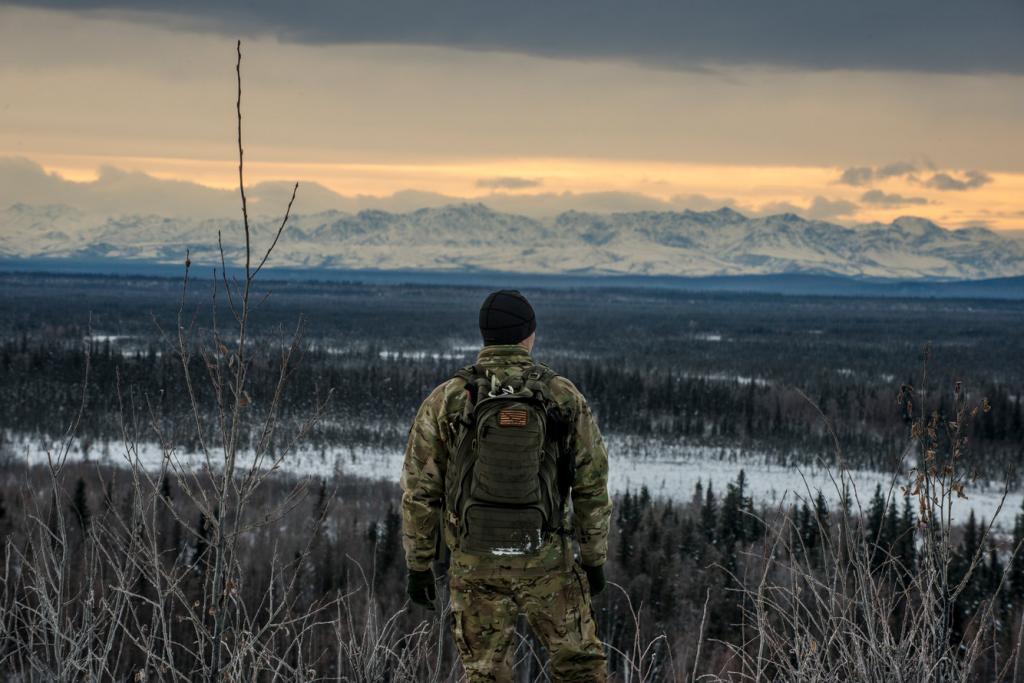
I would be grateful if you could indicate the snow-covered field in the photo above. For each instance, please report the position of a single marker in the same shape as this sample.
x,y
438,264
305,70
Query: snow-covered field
x,y
667,470
673,470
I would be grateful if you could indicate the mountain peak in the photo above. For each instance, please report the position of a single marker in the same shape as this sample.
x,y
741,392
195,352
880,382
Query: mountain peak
x,y
788,217
729,215
915,225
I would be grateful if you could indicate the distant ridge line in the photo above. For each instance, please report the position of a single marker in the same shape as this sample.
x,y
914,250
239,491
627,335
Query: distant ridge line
x,y
794,284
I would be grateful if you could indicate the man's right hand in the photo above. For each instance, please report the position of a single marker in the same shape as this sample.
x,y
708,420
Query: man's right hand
x,y
421,588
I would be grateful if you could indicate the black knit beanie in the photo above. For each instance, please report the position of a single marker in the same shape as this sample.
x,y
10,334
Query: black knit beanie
x,y
506,317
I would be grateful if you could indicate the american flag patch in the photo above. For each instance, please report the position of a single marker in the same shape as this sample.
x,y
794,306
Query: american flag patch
x,y
512,417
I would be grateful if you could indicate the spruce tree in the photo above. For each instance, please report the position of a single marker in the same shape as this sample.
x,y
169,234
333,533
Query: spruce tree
x,y
993,570
891,530
731,523
1016,578
653,531
876,515
845,502
688,544
709,514
807,528
202,542
80,506
745,530
729,516
625,550
821,535
968,551
165,489
170,529
643,563
906,546
387,537
821,514
748,411
972,538
320,508
791,527
108,496
875,521
328,578
741,483
753,526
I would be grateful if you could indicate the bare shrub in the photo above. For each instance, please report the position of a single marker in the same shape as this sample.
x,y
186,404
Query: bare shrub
x,y
155,581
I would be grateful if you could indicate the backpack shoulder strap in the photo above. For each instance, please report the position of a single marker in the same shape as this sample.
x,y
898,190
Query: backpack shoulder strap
x,y
468,374
477,385
471,375
540,372
538,379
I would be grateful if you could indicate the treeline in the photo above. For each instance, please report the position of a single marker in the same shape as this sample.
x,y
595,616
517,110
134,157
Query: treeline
x,y
375,393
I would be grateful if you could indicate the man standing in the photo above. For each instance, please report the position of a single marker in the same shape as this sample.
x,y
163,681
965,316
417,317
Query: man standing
x,y
505,463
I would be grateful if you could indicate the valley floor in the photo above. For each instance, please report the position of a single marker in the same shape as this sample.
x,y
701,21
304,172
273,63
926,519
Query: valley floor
x,y
668,470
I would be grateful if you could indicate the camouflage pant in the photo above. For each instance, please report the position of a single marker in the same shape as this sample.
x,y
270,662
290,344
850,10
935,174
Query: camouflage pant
x,y
557,606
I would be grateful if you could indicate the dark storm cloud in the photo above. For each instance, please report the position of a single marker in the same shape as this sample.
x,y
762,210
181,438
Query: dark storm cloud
x,y
900,168
947,183
864,175
916,35
508,183
879,198
857,175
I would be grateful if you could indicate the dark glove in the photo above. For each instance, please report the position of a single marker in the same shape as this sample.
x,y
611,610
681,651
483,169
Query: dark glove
x,y
595,577
421,588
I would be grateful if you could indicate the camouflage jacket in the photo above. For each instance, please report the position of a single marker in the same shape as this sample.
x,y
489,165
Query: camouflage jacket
x,y
431,446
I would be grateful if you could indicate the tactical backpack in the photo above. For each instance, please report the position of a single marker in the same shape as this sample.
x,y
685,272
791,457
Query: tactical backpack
x,y
512,470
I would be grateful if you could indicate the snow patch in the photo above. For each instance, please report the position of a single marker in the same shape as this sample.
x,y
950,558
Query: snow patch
x,y
668,470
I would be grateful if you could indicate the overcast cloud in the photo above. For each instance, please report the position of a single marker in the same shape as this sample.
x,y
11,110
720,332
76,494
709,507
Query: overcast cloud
x,y
952,36
857,176
899,168
865,175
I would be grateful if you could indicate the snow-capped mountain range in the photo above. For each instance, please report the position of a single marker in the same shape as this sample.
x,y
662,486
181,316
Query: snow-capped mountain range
x,y
473,237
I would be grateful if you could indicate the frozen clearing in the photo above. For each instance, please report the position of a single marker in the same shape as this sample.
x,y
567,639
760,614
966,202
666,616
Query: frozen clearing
x,y
667,470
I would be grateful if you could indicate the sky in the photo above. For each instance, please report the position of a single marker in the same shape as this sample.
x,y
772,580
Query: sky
x,y
848,112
